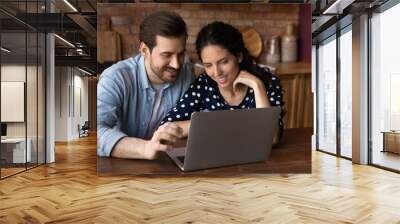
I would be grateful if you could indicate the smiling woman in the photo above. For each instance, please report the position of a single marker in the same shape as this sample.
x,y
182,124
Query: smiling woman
x,y
229,78
232,80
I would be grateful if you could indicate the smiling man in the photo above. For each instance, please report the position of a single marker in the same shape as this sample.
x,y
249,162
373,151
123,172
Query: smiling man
x,y
135,94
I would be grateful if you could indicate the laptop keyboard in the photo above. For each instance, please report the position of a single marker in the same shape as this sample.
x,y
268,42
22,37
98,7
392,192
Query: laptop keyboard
x,y
181,159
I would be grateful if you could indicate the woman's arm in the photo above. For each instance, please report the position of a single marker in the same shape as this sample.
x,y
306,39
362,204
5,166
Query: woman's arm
x,y
260,92
260,95
190,102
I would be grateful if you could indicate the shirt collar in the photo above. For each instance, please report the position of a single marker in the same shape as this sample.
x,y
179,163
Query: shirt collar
x,y
144,82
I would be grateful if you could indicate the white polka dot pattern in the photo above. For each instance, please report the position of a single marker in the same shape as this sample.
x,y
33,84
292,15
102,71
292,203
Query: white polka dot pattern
x,y
204,95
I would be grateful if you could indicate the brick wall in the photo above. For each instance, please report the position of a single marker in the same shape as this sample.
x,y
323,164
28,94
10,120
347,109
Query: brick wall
x,y
267,19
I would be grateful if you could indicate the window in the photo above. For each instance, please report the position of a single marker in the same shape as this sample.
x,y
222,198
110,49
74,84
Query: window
x,y
385,85
326,91
22,75
346,74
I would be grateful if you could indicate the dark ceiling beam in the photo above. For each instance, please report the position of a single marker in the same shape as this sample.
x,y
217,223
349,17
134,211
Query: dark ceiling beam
x,y
49,22
11,25
16,18
84,24
84,61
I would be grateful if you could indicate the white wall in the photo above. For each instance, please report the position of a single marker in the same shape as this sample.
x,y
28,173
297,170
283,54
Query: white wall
x,y
61,103
71,94
17,73
33,126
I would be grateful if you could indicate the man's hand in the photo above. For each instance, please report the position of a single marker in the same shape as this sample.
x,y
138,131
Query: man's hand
x,y
165,136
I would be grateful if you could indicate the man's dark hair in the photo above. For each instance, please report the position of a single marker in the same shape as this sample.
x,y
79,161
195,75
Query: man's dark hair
x,y
162,23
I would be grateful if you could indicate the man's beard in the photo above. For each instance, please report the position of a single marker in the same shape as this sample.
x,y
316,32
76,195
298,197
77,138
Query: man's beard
x,y
159,72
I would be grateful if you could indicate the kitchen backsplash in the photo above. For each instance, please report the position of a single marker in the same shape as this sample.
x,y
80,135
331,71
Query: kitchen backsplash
x,y
267,19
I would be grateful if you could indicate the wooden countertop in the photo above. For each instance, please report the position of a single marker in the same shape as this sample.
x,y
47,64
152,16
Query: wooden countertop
x,y
292,68
292,155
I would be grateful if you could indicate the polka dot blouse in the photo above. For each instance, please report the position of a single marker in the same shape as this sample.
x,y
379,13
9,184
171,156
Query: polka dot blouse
x,y
203,95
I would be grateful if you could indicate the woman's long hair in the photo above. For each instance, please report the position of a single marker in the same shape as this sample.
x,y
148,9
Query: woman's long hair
x,y
228,37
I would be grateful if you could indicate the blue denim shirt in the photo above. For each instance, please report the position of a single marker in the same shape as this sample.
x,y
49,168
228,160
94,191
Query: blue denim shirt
x,y
125,101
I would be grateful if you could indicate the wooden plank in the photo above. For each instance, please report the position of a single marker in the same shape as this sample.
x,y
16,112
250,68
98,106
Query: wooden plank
x,y
292,155
70,191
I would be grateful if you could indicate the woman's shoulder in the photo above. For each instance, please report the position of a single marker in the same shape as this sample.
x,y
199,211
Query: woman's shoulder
x,y
203,79
200,84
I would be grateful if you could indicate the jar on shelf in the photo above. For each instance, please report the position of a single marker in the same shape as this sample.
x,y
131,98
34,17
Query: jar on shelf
x,y
273,50
289,45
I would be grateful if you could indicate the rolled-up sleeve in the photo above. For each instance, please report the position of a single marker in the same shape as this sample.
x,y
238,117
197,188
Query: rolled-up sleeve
x,y
109,109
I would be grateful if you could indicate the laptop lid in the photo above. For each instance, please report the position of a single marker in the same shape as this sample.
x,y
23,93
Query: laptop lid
x,y
228,137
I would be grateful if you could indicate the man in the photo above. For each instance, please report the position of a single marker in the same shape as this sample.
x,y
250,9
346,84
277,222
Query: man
x,y
135,94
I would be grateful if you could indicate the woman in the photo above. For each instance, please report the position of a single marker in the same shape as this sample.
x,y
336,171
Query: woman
x,y
231,80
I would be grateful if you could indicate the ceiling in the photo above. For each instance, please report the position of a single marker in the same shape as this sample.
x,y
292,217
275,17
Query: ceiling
x,y
76,25
330,16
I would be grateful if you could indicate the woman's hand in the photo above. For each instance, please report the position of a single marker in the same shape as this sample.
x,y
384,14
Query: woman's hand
x,y
252,81
248,79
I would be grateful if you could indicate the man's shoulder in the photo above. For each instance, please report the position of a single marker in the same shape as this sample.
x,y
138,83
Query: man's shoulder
x,y
122,67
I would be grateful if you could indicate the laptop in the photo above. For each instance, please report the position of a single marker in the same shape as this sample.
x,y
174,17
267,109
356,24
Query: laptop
x,y
227,137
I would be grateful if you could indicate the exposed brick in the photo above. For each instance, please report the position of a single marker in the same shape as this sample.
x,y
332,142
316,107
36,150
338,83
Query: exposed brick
x,y
207,7
202,14
194,7
117,9
190,47
191,39
228,15
194,30
283,8
264,23
260,7
267,19
242,7
285,23
169,6
241,23
193,56
275,31
184,14
286,16
251,15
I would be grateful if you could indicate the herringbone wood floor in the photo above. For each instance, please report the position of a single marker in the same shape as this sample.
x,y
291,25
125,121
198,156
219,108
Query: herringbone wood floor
x,y
69,191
